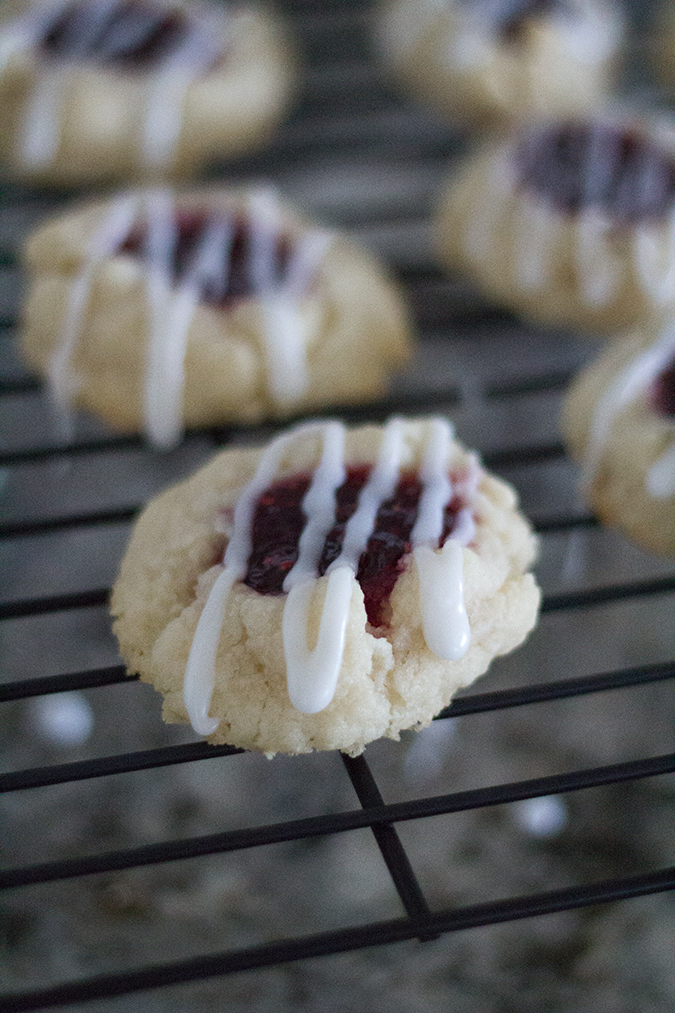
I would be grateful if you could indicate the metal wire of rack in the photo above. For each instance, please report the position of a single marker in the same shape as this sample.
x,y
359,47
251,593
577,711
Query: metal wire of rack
x,y
487,370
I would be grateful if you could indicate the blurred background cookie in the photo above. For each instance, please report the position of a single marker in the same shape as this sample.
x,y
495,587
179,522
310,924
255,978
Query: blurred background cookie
x,y
491,61
389,549
157,310
100,89
570,222
619,422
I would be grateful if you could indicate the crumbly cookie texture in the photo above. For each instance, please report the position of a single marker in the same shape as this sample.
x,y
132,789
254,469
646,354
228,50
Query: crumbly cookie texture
x,y
617,486
475,63
101,114
570,268
355,326
389,679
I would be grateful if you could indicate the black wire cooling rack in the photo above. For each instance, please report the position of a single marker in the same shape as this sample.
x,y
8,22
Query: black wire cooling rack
x,y
368,161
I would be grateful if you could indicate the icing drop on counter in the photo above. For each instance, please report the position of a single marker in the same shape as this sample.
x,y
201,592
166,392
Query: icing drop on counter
x,y
312,674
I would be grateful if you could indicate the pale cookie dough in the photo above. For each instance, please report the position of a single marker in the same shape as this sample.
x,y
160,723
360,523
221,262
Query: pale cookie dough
x,y
619,422
452,609
570,223
135,89
492,61
158,310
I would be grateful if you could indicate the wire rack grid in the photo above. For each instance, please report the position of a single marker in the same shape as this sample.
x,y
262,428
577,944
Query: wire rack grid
x,y
363,158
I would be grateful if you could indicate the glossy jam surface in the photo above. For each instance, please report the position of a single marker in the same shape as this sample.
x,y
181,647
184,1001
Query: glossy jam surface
x,y
231,277
663,392
129,34
278,523
507,16
578,166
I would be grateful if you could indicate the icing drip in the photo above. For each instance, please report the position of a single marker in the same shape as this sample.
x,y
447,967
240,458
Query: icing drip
x,y
158,40
312,674
163,385
444,619
63,382
167,91
200,671
286,331
172,310
634,380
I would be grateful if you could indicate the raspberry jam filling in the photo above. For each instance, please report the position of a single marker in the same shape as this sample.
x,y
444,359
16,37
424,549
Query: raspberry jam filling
x,y
130,34
278,522
507,16
663,392
231,273
577,166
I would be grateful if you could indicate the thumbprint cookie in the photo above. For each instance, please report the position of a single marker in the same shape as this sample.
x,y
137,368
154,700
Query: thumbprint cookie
x,y
337,586
569,223
158,310
127,89
492,61
619,422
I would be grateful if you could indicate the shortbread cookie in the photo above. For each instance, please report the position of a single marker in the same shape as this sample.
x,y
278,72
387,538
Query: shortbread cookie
x,y
619,421
491,61
126,89
336,587
157,310
569,223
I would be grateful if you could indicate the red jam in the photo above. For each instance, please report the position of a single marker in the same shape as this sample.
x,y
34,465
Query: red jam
x,y
663,392
278,523
576,166
130,34
233,277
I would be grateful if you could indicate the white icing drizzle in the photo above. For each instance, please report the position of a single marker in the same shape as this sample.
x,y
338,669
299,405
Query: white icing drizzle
x,y
200,671
440,574
312,674
38,144
285,329
172,310
116,225
168,88
39,140
162,390
630,383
